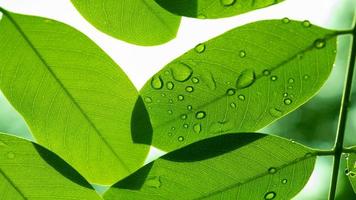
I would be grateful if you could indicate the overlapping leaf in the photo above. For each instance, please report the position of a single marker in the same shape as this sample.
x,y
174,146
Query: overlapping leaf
x,y
139,22
76,100
351,168
240,81
213,8
234,166
24,174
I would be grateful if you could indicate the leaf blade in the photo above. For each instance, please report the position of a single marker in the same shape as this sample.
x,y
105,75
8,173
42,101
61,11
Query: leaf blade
x,y
351,168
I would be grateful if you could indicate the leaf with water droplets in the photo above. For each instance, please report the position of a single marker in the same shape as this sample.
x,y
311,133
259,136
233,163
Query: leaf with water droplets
x,y
232,166
29,171
351,168
211,9
134,21
240,94
75,99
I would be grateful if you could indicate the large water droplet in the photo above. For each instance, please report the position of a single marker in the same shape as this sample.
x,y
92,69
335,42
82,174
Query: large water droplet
x,y
287,101
189,89
241,97
200,48
242,54
170,85
181,72
180,138
230,92
154,182
306,23
227,2
10,155
319,43
270,195
285,20
197,128
156,82
275,112
180,97
272,170
246,78
200,115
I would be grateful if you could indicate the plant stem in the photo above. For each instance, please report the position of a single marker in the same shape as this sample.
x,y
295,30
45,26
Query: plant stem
x,y
338,147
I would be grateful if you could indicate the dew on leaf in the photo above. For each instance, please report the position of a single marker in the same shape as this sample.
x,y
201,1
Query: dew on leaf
x,y
270,195
319,43
173,128
154,182
200,115
163,94
197,128
242,54
232,105
195,80
180,97
266,72
170,133
246,78
291,80
183,116
10,155
274,78
170,101
230,92
156,82
284,181
287,101
241,97
148,100
290,87
200,48
189,107
180,138
305,77
306,23
272,170
227,2
275,112
189,89
201,16
170,85
181,72
185,125
286,20
285,94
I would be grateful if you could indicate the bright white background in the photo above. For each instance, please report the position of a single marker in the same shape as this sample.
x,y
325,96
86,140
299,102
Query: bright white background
x,y
140,63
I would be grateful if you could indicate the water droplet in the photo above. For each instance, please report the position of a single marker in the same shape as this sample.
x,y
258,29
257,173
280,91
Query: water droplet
x,y
227,2
241,97
11,155
274,78
200,48
246,78
270,195
200,115
181,72
173,128
232,105
242,54
148,100
285,94
319,43
184,116
170,133
284,181
230,92
189,89
170,101
197,128
156,82
170,85
185,125
189,107
163,94
166,72
306,23
272,170
154,182
290,87
291,80
195,80
305,77
266,72
180,97
275,112
292,141
201,16
287,101
180,138
285,20
170,112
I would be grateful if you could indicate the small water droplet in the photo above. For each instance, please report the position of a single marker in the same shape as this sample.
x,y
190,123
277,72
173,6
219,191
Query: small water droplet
x,y
156,82
306,23
266,72
319,43
200,115
170,133
292,141
230,92
200,48
246,78
272,170
185,125
180,97
170,85
180,138
195,80
181,72
170,112
291,80
148,100
173,128
241,97
189,107
183,116
275,112
197,128
227,2
305,77
284,181
274,78
287,101
154,182
163,94
270,195
286,20
242,54
201,16
11,155
167,72
189,89
290,87
232,105
285,94
170,101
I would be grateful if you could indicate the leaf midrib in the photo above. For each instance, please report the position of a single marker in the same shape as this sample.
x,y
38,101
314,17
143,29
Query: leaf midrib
x,y
86,117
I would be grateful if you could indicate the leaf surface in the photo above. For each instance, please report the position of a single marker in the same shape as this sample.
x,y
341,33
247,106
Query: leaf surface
x,y
75,99
212,9
351,168
240,81
24,174
234,166
139,22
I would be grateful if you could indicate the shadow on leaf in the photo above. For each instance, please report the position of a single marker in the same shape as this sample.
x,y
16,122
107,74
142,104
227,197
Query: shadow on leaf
x,y
141,129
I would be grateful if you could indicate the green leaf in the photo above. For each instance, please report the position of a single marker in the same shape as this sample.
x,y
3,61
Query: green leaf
x,y
75,99
240,81
139,22
212,9
351,168
234,166
24,174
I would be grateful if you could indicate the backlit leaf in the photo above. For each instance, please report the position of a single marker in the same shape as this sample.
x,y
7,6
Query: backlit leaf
x,y
351,168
